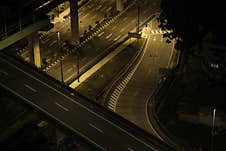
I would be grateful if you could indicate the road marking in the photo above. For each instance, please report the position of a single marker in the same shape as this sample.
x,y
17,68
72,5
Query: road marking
x,y
107,37
47,39
99,7
93,126
124,19
51,115
85,16
171,55
108,9
93,17
3,72
114,27
52,43
69,70
117,38
72,100
61,106
122,29
101,34
129,149
29,87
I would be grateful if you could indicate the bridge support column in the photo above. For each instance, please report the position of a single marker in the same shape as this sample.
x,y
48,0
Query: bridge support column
x,y
36,50
30,47
119,5
74,20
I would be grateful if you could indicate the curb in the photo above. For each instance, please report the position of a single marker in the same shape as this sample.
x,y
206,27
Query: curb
x,y
111,96
91,36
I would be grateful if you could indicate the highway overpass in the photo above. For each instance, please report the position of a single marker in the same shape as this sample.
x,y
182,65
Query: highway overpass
x,y
84,117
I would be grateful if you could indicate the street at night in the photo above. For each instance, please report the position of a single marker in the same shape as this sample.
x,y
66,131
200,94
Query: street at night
x,y
112,75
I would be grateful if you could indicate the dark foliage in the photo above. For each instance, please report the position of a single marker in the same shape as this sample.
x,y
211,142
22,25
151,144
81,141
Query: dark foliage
x,y
191,20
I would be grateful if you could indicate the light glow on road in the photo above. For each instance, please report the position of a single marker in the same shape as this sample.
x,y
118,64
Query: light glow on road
x,y
88,73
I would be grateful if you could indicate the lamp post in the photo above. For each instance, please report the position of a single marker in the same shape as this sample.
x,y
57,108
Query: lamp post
x,y
61,65
77,65
138,17
213,127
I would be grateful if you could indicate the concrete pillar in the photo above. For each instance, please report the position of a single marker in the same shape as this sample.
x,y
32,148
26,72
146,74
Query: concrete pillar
x,y
74,20
30,47
36,49
119,5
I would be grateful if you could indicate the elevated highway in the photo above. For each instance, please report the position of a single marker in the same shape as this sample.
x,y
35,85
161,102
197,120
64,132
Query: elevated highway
x,y
84,117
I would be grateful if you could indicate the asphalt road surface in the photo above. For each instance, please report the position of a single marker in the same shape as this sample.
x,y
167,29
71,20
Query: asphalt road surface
x,y
91,121
108,37
93,11
133,101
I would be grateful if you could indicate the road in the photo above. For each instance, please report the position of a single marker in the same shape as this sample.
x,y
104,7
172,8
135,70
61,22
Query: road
x,y
133,101
91,12
91,121
104,40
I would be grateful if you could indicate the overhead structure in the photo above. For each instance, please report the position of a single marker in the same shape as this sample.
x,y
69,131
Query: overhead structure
x,y
74,20
23,33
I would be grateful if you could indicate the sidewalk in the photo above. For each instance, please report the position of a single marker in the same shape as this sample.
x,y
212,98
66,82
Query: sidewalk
x,y
101,63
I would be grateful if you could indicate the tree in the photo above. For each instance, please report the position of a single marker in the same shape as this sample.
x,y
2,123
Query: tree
x,y
191,21
97,24
90,28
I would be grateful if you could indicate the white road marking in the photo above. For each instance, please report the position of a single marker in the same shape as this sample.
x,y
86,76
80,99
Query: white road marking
x,y
52,43
124,19
122,29
98,7
69,70
93,126
51,115
93,17
107,37
171,55
72,100
5,73
108,9
117,38
129,149
29,87
61,106
47,39
114,27
100,34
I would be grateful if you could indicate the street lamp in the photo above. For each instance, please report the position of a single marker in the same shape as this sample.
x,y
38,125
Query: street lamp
x,y
213,127
78,65
61,65
138,17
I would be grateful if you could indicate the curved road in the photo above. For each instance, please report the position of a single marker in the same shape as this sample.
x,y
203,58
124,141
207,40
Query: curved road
x,y
132,102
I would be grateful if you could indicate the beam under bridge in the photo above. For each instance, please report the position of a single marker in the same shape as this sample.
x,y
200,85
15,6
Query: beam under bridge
x,y
24,33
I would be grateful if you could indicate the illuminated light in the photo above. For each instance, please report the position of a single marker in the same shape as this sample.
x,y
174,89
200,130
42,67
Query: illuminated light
x,y
214,65
144,33
44,5
42,124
